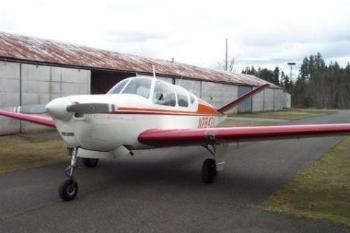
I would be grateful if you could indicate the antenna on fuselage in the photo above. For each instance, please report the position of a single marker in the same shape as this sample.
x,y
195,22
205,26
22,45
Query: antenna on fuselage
x,y
154,71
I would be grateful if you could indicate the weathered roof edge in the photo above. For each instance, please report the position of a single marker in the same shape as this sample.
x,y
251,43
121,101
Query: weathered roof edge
x,y
32,50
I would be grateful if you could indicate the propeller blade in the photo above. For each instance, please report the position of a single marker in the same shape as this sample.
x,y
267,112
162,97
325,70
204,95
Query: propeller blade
x,y
91,108
31,109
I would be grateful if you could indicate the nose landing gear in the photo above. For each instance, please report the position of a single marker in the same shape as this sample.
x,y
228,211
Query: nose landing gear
x,y
68,190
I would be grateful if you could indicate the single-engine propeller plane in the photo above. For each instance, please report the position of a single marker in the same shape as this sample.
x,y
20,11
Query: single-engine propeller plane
x,y
144,112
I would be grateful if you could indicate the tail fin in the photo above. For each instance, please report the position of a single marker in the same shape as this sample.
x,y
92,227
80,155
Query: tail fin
x,y
241,98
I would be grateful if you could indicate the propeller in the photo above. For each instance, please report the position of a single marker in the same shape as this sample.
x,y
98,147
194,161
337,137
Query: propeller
x,y
91,108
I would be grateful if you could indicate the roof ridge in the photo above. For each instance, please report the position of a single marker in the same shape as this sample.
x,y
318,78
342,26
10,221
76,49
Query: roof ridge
x,y
22,47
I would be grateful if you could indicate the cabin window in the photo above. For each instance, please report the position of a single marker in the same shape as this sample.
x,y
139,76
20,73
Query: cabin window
x,y
182,97
192,99
139,86
118,87
164,94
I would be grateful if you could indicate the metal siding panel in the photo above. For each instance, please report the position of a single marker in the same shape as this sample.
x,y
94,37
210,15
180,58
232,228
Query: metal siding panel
x,y
246,105
258,102
166,79
288,103
9,95
268,100
40,84
191,85
279,99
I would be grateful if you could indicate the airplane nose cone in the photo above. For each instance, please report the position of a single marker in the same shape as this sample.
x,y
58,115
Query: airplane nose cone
x,y
57,108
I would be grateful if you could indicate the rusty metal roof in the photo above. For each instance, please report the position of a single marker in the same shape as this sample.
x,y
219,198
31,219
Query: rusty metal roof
x,y
17,47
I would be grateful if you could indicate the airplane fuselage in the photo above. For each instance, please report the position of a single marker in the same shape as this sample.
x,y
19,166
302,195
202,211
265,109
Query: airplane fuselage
x,y
134,114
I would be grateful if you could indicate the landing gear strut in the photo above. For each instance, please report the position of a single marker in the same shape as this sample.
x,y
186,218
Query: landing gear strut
x,y
209,171
68,190
211,167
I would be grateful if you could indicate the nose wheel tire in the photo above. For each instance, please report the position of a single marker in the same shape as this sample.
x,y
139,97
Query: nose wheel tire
x,y
68,190
90,163
209,171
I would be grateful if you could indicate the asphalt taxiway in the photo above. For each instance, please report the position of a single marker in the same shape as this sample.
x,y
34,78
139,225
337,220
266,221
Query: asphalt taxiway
x,y
161,191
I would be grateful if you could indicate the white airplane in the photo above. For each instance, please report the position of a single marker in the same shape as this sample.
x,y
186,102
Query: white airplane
x,y
144,113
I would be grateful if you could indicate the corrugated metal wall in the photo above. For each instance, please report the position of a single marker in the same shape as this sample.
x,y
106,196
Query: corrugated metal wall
x,y
38,84
246,105
9,95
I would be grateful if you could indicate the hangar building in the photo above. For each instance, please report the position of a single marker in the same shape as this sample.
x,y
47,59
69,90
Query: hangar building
x,y
35,71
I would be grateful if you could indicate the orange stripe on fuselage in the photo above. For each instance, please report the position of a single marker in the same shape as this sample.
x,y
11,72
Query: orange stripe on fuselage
x,y
203,110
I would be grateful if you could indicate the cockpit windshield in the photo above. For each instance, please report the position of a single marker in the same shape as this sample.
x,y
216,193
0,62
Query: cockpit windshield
x,y
163,92
118,87
137,86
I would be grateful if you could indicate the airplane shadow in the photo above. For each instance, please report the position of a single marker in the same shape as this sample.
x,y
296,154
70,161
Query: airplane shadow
x,y
166,170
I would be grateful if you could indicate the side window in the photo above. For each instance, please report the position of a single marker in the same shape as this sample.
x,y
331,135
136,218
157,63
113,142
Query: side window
x,y
164,94
182,97
192,99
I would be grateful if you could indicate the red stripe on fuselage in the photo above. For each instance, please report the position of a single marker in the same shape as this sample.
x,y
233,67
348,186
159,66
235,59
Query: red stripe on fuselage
x,y
202,111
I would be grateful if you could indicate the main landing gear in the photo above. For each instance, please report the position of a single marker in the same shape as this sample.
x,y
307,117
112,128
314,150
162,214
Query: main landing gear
x,y
209,171
211,167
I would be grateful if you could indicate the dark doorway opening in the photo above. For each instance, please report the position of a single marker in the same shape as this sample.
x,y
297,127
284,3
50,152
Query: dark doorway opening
x,y
102,81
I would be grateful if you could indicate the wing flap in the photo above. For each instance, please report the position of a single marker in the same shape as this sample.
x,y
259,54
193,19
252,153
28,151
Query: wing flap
x,y
41,120
175,137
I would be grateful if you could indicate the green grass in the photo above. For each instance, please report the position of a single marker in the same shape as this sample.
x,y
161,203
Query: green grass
x,y
293,114
19,153
272,118
249,121
320,192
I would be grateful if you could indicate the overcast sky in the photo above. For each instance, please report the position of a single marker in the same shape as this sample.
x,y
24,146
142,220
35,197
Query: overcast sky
x,y
260,33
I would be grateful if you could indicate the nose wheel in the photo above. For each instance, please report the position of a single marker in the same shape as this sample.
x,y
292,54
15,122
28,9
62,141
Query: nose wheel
x,y
209,171
68,190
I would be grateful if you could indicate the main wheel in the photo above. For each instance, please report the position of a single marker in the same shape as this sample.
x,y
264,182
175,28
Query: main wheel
x,y
90,162
209,171
68,190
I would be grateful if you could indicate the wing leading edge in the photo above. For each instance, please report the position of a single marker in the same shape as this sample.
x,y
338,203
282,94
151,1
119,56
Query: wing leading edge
x,y
41,120
176,137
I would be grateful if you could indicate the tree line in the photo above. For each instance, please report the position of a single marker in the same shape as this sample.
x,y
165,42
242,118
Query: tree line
x,y
317,85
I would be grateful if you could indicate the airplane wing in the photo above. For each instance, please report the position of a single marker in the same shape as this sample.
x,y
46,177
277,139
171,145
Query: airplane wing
x,y
204,136
41,120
